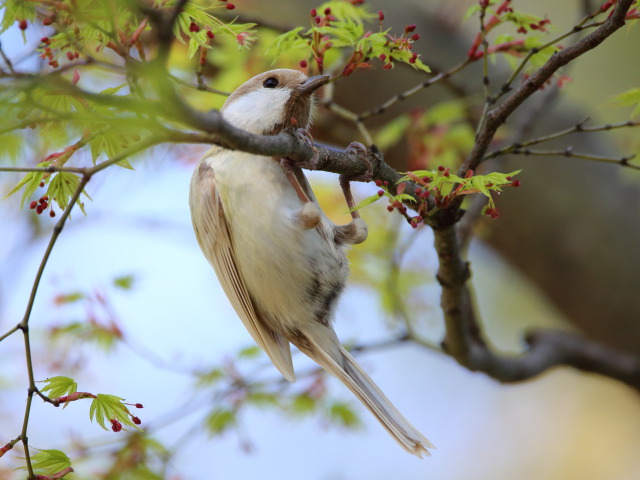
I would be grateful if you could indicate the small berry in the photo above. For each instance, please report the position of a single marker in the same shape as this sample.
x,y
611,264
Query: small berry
x,y
380,193
385,183
210,34
33,205
139,405
409,29
388,66
70,56
317,19
418,191
509,178
230,6
54,63
52,214
136,420
390,208
116,426
382,57
47,21
515,183
327,11
303,64
42,182
381,15
194,27
23,25
415,37
313,12
378,183
45,40
39,209
413,58
441,168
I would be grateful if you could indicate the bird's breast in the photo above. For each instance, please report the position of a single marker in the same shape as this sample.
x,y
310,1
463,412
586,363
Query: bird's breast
x,y
294,274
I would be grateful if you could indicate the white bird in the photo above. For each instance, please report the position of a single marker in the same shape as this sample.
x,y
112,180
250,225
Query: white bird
x,y
280,260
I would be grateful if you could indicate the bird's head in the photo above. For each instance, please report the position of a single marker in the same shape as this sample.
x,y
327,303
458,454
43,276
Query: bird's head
x,y
273,101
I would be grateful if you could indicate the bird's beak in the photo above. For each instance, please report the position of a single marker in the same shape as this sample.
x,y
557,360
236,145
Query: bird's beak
x,y
311,84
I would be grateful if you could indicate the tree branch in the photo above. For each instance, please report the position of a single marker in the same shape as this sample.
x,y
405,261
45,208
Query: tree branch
x,y
496,117
546,349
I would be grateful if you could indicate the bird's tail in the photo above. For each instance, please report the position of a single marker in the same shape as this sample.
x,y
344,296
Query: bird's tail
x,y
347,370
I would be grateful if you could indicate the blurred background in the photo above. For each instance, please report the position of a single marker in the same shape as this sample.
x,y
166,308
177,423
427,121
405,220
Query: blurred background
x,y
148,310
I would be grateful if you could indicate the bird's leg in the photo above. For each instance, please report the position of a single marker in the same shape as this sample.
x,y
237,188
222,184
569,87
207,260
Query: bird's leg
x,y
309,215
356,231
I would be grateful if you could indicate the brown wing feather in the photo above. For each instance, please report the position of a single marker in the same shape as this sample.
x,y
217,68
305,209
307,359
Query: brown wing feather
x,y
212,232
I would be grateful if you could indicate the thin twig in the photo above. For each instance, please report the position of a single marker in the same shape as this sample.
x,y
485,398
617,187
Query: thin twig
x,y
406,94
6,59
568,152
578,128
24,324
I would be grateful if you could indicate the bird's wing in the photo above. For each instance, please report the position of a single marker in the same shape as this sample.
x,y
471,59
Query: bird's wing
x,y
212,231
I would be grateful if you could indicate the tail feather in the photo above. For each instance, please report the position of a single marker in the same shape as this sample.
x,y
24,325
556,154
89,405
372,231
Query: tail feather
x,y
363,387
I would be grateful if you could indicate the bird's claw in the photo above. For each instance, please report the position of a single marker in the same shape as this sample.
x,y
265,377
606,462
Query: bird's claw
x,y
304,136
360,151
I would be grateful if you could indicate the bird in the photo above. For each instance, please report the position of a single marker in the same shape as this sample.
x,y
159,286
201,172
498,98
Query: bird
x,y
281,262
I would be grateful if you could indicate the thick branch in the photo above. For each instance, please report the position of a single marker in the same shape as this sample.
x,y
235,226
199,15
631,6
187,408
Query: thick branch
x,y
546,348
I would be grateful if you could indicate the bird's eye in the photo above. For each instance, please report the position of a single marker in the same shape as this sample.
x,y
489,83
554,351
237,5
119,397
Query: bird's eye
x,y
271,82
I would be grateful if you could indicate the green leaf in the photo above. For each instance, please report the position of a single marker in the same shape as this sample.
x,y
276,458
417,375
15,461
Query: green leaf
x,y
347,10
49,462
366,201
287,41
113,90
62,187
262,399
109,407
124,282
59,386
393,131
630,98
343,414
69,298
303,404
209,378
250,352
220,420
30,182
